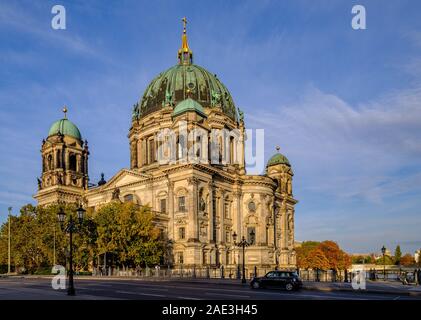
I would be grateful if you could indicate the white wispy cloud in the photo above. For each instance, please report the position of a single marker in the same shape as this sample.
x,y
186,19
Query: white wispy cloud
x,y
349,150
18,19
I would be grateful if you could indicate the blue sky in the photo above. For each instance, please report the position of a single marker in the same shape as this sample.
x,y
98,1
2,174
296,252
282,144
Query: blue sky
x,y
344,105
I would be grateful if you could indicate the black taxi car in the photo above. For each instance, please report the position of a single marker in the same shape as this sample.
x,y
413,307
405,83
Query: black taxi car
x,y
287,280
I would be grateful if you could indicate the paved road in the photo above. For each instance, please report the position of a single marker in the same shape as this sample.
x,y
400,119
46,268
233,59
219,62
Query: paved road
x,y
40,288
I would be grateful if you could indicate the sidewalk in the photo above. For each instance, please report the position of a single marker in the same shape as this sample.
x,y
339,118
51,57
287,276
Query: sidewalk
x,y
395,288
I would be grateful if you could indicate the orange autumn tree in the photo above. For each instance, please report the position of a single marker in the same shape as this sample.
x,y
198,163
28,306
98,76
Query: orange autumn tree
x,y
338,259
317,259
326,255
407,260
303,253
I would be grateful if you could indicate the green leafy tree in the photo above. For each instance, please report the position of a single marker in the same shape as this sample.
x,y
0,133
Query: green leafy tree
x,y
398,255
362,259
387,260
37,241
107,228
127,231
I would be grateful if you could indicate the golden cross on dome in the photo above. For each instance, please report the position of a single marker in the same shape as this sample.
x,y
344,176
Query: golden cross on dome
x,y
65,112
184,53
184,24
278,148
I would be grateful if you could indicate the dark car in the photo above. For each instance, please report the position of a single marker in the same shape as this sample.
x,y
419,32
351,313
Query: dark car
x,y
278,279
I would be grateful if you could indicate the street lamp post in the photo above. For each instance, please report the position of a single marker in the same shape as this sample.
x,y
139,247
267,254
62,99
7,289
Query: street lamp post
x,y
70,228
243,243
8,241
275,213
384,263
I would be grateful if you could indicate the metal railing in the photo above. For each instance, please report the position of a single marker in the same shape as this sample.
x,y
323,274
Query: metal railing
x,y
232,272
209,272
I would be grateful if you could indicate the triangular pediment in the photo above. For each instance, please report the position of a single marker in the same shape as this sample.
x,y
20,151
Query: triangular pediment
x,y
124,177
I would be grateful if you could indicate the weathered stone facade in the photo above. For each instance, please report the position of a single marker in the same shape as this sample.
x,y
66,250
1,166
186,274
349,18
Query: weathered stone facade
x,y
198,205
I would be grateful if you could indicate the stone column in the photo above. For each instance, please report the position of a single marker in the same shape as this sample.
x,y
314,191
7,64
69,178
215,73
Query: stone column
x,y
63,157
54,161
86,163
78,163
290,225
193,230
144,152
239,214
133,155
171,229
66,157
210,209
283,226
221,195
139,153
262,227
242,147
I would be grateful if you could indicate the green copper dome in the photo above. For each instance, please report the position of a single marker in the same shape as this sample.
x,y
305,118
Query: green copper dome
x,y
278,159
188,105
178,83
66,128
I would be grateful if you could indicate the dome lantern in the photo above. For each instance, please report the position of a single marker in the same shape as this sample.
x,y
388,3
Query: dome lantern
x,y
185,55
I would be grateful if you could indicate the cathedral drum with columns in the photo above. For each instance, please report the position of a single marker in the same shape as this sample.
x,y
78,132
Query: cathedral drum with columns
x,y
187,163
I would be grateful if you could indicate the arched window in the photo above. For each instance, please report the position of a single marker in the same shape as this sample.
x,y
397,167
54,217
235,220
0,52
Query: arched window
x,y
58,157
198,147
232,153
180,258
82,165
151,151
72,162
128,198
181,233
181,203
204,257
181,148
163,205
221,149
227,210
50,162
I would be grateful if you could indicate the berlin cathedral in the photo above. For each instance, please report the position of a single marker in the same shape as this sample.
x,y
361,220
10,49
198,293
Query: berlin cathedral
x,y
199,205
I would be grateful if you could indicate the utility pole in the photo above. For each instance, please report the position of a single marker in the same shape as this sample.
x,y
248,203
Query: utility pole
x,y
8,265
54,258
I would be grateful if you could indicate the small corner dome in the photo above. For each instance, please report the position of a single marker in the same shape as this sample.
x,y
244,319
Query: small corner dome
x,y
278,159
188,105
65,127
